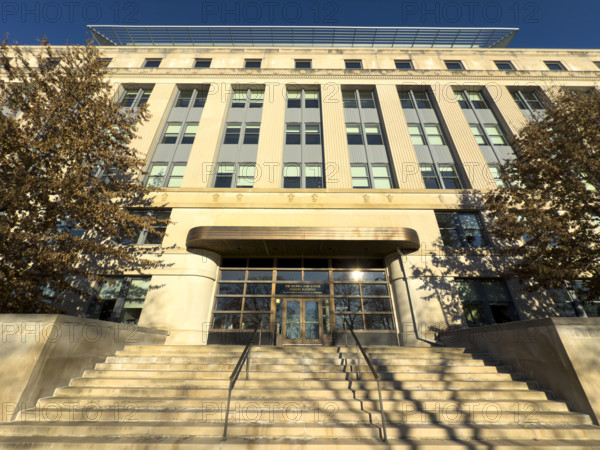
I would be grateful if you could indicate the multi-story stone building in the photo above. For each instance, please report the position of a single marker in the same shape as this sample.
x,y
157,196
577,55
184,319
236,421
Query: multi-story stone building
x,y
316,174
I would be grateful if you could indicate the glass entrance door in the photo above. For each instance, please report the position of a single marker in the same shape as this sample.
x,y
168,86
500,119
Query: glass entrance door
x,y
301,322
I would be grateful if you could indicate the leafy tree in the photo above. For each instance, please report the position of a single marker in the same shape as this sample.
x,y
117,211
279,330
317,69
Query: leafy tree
x,y
547,216
68,176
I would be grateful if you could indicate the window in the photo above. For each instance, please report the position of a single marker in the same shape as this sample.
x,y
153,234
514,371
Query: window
x,y
53,62
252,97
478,134
434,135
120,300
495,135
406,100
349,99
504,65
422,99
528,101
224,175
251,133
157,175
429,176
485,301
294,98
354,134
186,95
403,64
312,134
152,62
190,133
252,63
373,133
105,62
232,133
143,236
461,229
303,64
353,63
292,134
556,66
496,175
314,176
454,65
245,178
257,98
200,99
477,100
291,176
202,63
239,98
311,99
133,98
381,177
449,176
360,177
416,135
171,133
462,100
597,64
366,99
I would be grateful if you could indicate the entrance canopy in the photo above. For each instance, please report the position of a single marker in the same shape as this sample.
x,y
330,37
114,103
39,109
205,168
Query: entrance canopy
x,y
303,241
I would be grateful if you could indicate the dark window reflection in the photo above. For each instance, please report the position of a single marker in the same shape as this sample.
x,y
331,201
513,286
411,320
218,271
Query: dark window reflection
x,y
229,304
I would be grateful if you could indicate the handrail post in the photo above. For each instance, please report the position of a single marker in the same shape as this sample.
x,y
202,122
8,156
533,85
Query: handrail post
x,y
357,361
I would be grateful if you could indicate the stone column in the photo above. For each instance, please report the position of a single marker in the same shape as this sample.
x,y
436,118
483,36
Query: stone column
x,y
180,297
397,279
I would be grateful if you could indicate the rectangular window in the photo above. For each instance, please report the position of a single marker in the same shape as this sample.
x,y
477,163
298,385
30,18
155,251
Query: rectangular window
x,y
381,177
597,64
349,99
202,63
184,99
292,134
257,98
406,100
504,65
200,99
403,64
157,175
478,134
252,63
454,65
152,62
555,66
303,64
496,175
449,176
429,176
533,100
135,97
353,63
485,301
232,133
311,99
373,133
142,235
312,134
495,135
171,133
354,134
224,175
366,99
189,134
314,176
462,100
416,135
360,177
434,134
239,98
176,177
291,176
120,300
105,62
251,134
245,178
477,100
422,99
461,230
294,98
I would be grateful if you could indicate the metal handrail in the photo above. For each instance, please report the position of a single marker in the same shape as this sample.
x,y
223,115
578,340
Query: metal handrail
x,y
244,357
375,375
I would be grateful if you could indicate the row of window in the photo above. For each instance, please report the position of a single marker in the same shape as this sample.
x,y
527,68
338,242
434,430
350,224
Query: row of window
x,y
400,64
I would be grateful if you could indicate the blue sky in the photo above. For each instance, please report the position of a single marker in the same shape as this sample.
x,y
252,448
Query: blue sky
x,y
542,23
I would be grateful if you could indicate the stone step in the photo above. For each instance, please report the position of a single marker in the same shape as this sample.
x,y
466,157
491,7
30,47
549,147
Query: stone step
x,y
295,375
293,413
263,359
299,368
330,402
111,379
299,430
239,392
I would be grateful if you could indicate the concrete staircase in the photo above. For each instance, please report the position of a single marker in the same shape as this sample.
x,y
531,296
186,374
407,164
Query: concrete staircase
x,y
297,397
